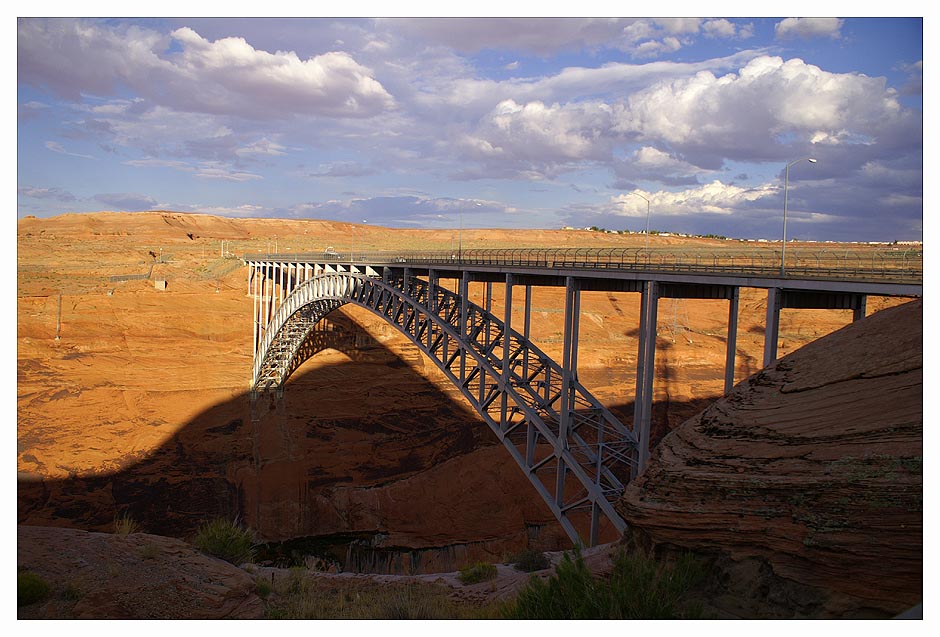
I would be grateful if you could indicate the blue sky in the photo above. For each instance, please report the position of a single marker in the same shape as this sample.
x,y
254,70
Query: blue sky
x,y
530,123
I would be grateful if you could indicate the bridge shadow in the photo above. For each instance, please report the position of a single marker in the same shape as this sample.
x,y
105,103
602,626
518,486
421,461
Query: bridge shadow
x,y
362,445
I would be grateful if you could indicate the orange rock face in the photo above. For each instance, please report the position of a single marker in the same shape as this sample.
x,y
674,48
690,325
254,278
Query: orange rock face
x,y
140,404
807,479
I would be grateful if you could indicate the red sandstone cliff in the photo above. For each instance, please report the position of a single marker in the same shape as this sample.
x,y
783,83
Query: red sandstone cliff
x,y
805,482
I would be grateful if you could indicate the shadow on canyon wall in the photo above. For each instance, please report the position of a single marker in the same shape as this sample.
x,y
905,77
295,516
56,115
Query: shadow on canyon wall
x,y
365,447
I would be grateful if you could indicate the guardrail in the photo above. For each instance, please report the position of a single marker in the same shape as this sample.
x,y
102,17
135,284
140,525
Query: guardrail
x,y
879,264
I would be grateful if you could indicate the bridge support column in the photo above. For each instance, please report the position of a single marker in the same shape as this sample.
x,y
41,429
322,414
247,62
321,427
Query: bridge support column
x,y
858,313
252,290
732,339
507,343
645,365
569,372
526,328
432,304
772,325
464,296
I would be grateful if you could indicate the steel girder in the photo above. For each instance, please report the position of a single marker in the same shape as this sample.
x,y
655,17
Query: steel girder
x,y
550,424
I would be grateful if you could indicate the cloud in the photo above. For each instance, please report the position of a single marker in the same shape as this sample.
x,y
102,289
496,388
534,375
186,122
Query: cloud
x,y
539,137
343,169
769,105
263,146
186,72
159,163
213,170
56,147
407,210
652,164
547,36
915,81
715,198
722,28
131,202
542,36
56,194
790,28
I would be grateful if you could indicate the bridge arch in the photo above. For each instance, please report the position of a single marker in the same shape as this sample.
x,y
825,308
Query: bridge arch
x,y
576,454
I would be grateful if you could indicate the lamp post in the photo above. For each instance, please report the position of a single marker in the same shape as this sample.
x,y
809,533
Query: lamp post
x,y
786,187
647,223
362,239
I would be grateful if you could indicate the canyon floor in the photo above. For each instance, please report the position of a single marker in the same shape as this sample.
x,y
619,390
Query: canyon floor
x,y
132,400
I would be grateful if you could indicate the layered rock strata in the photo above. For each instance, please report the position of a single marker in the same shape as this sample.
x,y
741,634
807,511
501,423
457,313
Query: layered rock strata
x,y
805,483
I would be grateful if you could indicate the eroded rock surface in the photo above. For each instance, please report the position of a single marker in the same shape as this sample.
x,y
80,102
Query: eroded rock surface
x,y
135,576
806,481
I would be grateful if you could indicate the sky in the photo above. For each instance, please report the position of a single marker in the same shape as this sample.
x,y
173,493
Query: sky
x,y
482,122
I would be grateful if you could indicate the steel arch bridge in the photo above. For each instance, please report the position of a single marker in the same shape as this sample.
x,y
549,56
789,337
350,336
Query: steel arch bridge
x,y
576,454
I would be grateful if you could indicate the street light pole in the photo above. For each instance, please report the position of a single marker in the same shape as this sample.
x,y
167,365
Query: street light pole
x,y
786,187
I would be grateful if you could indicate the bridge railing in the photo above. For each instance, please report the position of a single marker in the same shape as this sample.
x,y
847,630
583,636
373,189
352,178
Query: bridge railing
x,y
882,264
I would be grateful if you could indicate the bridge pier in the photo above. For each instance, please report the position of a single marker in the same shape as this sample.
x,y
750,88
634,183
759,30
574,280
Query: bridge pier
x,y
783,298
568,373
645,363
507,349
731,354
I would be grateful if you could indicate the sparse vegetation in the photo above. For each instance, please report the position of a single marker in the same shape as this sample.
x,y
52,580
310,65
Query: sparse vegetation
x,y
30,588
263,588
227,540
124,524
303,596
530,560
638,588
476,573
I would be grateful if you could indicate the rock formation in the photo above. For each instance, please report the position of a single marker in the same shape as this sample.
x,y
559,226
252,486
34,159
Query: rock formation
x,y
805,483
134,576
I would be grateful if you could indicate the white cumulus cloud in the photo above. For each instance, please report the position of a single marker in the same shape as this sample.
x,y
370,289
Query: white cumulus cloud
x,y
808,28
225,76
737,114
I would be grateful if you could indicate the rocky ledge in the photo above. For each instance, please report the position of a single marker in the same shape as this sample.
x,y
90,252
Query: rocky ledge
x,y
133,576
804,484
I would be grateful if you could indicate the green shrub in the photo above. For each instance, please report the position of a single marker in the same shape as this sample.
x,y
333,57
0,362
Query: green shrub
x,y
227,540
479,572
263,587
530,560
638,588
30,588
124,524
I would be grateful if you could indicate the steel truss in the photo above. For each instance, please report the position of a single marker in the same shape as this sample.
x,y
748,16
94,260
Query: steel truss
x,y
576,454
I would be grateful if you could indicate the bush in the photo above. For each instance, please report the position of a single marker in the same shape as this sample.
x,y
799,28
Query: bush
x,y
124,524
530,560
227,540
30,588
479,572
638,588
